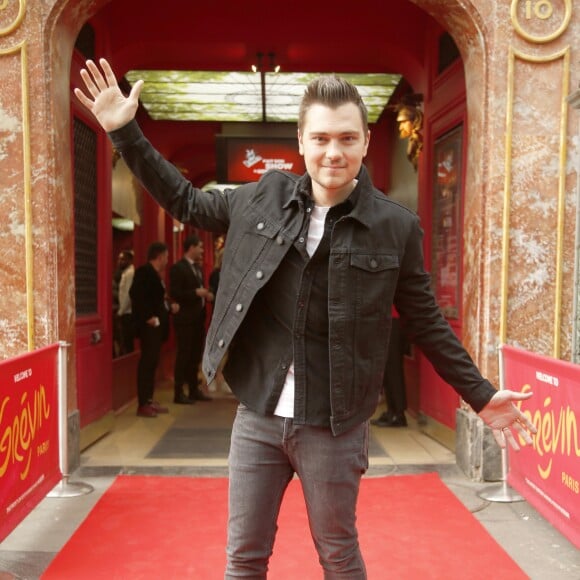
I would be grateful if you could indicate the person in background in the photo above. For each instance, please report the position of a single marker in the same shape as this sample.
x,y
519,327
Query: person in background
x,y
124,313
218,255
312,266
151,317
209,299
214,277
220,383
187,289
122,264
394,379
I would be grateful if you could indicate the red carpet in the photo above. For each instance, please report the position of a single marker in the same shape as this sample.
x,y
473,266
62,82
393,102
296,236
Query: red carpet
x,y
175,528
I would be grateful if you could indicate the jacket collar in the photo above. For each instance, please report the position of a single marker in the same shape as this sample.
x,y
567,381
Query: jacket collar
x,y
362,210
359,198
301,191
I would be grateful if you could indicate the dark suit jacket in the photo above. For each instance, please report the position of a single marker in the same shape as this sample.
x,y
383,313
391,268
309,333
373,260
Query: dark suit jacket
x,y
182,285
148,298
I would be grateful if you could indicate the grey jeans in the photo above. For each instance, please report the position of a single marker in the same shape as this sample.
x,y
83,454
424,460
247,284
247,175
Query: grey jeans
x,y
264,455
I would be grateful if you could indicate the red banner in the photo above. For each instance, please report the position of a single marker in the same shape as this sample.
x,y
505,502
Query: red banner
x,y
547,473
29,444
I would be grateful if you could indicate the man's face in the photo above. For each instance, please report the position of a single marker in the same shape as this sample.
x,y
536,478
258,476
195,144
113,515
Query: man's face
x,y
122,261
197,252
163,259
333,143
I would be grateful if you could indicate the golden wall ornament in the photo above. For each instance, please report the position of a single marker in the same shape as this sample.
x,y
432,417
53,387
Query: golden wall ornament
x,y
542,10
410,119
19,17
21,51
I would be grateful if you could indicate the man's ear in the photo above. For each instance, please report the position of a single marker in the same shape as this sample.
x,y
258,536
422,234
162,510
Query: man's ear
x,y
300,144
368,140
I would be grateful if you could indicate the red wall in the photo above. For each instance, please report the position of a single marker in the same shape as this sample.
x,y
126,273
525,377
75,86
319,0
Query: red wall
x,y
445,108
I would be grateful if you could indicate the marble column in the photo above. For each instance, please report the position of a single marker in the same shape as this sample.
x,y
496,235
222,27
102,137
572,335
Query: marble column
x,y
520,193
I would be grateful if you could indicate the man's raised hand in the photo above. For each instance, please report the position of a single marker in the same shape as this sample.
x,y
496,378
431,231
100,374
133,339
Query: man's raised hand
x,y
108,104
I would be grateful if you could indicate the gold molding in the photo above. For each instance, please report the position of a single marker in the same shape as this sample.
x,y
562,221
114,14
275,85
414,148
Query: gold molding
x,y
513,54
540,39
21,10
26,172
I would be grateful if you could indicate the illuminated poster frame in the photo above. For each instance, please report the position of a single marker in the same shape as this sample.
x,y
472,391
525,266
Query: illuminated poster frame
x,y
246,159
446,233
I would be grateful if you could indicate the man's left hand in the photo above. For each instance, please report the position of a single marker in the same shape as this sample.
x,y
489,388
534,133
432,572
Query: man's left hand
x,y
504,418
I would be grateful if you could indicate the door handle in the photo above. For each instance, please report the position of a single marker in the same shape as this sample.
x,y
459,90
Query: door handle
x,y
96,337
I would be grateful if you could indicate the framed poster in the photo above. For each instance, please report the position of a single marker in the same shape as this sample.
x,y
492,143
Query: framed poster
x,y
446,243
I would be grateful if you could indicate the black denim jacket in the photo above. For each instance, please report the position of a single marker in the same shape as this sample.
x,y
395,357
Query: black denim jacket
x,y
376,260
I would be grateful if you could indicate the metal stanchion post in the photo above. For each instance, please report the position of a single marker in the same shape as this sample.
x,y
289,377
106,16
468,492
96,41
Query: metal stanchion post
x,y
65,488
502,492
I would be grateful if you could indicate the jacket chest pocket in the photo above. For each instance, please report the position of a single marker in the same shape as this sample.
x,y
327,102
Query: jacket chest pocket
x,y
374,278
255,239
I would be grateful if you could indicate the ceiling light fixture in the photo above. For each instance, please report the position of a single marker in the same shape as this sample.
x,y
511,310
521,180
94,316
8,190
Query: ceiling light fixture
x,y
275,68
224,96
257,67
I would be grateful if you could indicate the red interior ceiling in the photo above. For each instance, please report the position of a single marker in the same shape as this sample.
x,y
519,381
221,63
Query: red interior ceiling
x,y
305,35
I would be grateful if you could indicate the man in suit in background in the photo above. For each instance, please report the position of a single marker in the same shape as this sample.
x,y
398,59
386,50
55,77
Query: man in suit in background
x,y
394,379
187,289
151,316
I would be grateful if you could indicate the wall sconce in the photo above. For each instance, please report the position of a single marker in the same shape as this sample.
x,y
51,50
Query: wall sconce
x,y
410,119
258,67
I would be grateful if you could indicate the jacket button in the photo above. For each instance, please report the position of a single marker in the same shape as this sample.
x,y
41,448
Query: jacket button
x,y
280,240
221,342
259,274
261,226
374,263
239,307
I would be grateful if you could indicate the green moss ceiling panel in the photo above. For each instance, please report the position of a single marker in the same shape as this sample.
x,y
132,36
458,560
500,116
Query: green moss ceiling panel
x,y
237,96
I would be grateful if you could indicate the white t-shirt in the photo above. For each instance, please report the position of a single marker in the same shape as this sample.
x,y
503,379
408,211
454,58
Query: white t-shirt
x,y
285,406
124,287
